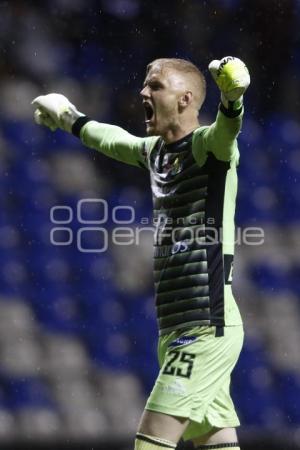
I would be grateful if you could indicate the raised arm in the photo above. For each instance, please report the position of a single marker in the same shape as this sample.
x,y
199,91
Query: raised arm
x,y
55,111
232,77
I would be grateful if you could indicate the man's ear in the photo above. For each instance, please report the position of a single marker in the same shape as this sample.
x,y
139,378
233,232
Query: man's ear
x,y
185,100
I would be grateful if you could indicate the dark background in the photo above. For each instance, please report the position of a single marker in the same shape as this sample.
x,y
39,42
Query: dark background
x,y
77,328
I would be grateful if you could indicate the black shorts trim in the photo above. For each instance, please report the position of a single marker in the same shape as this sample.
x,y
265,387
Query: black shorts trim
x,y
157,442
216,446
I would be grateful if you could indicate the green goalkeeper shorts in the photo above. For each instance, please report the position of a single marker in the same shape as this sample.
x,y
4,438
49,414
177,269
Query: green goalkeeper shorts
x,y
194,378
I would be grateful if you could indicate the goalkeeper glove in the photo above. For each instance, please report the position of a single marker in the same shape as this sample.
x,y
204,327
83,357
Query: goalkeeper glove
x,y
232,78
55,111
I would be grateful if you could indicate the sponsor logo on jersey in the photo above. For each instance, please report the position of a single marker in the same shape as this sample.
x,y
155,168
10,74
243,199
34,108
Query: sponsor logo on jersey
x,y
183,340
180,247
176,387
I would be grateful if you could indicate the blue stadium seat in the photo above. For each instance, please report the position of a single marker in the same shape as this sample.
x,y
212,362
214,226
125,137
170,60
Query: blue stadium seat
x,y
24,392
268,278
288,391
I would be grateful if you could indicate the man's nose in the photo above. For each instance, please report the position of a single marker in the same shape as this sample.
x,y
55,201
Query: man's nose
x,y
145,92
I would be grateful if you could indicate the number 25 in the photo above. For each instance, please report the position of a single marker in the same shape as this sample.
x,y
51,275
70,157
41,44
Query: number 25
x,y
187,358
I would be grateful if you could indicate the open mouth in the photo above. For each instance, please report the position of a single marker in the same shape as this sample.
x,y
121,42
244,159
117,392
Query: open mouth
x,y
149,112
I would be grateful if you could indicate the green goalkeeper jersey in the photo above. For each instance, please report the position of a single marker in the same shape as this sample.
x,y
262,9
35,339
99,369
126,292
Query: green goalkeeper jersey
x,y
194,186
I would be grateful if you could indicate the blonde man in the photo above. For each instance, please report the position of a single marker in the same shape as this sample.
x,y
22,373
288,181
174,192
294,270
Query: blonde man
x,y
194,182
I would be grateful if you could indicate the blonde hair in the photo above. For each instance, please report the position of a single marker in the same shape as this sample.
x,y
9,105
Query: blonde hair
x,y
188,68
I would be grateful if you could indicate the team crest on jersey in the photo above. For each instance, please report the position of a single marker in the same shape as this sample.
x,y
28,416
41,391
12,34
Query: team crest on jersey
x,y
176,167
170,166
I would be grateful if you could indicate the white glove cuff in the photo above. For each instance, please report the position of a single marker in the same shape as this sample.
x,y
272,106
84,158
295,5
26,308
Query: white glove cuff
x,y
69,117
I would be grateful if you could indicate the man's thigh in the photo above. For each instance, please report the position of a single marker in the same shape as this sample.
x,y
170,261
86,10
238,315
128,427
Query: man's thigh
x,y
216,436
172,428
162,425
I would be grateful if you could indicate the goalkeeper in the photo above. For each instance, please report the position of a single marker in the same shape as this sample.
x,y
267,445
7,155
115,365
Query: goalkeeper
x,y
194,183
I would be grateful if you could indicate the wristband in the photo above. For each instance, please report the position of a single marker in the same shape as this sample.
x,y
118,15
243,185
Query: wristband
x,y
78,124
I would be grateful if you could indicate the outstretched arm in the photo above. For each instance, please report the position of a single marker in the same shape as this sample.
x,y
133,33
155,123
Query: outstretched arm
x,y
55,111
114,142
232,77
